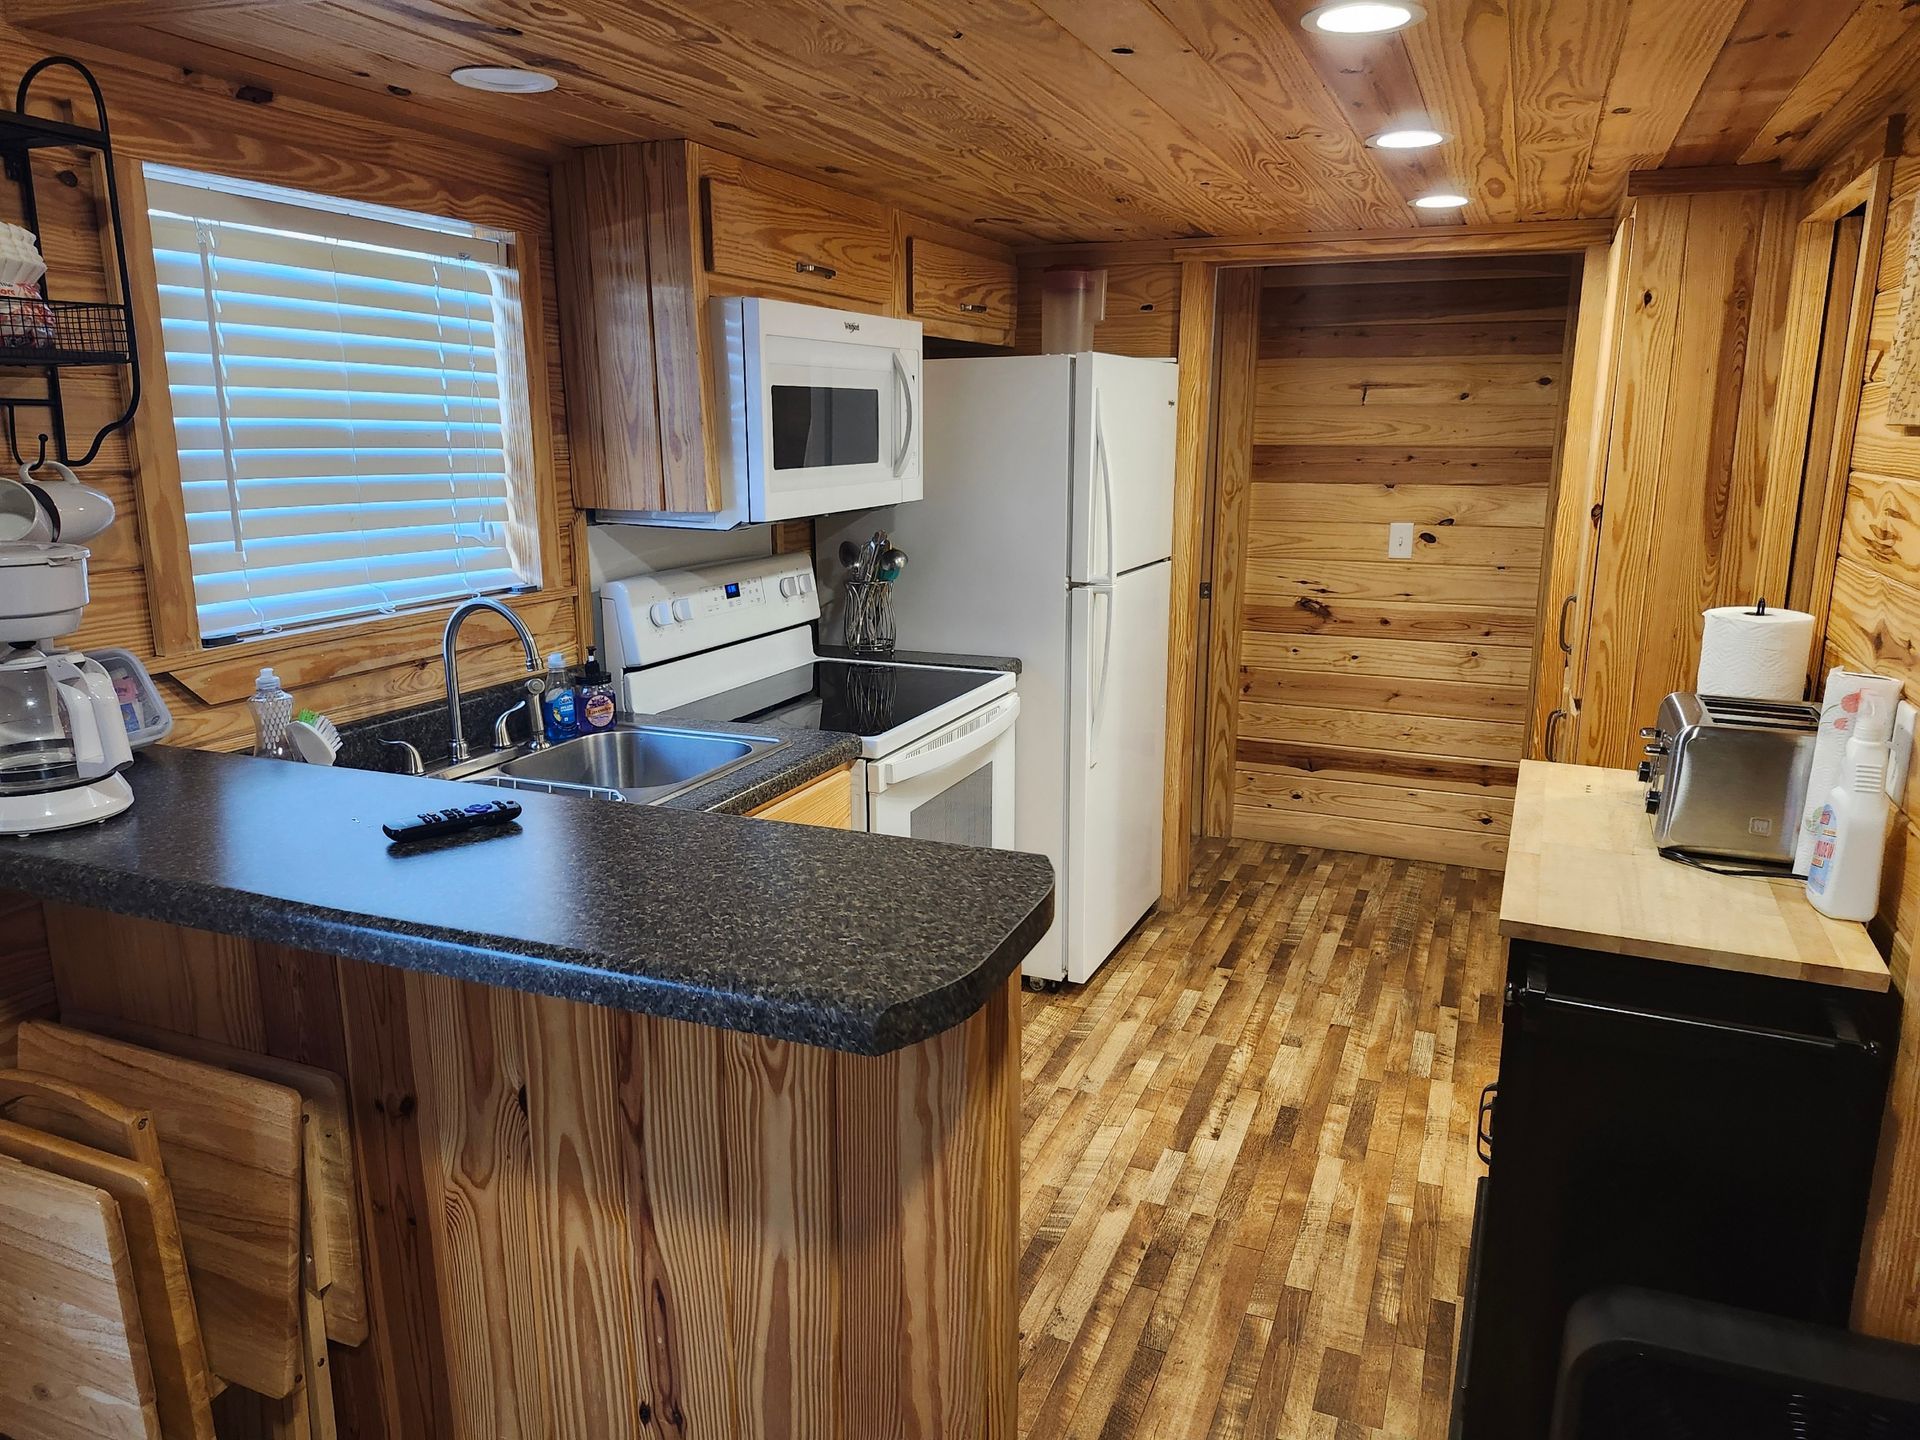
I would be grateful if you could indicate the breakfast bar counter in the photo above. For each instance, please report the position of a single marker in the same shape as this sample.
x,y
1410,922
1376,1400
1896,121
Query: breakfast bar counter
x,y
665,1123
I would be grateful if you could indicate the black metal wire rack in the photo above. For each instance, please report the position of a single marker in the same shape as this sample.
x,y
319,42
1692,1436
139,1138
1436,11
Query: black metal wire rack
x,y
46,334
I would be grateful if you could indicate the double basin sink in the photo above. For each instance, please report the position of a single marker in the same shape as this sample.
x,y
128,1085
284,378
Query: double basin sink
x,y
643,764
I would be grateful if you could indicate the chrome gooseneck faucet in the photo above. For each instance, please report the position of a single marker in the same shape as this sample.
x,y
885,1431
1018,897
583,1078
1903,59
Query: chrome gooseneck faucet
x,y
449,656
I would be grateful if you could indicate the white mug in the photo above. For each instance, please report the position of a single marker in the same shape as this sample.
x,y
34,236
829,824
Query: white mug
x,y
75,513
21,517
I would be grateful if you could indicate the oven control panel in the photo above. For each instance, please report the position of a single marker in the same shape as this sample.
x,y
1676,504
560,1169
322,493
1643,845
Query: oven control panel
x,y
673,613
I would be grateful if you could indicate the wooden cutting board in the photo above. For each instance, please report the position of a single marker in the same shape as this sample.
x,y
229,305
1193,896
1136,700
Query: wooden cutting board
x,y
75,1364
231,1149
165,1298
335,1269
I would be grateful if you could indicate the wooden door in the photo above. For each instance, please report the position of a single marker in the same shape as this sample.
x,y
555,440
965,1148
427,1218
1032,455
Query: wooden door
x,y
1382,699
1690,501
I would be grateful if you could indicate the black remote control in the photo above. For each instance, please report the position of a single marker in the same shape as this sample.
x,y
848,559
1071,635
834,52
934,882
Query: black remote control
x,y
433,823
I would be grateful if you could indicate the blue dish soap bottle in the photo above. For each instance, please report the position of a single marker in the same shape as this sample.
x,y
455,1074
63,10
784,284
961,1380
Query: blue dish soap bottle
x,y
556,705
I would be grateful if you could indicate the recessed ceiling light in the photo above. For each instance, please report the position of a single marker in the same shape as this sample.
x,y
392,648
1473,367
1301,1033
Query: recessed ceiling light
x,y
503,79
1363,17
1406,139
1441,202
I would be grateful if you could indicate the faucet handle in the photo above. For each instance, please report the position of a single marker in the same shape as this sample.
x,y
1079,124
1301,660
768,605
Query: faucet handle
x,y
409,757
500,740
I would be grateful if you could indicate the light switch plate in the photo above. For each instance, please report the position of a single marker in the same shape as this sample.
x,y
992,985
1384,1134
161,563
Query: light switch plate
x,y
1901,750
1400,540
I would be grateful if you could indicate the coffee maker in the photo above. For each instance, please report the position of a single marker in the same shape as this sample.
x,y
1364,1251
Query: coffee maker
x,y
63,742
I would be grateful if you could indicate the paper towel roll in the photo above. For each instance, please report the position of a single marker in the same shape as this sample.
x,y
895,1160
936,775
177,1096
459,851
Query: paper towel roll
x,y
1754,654
1841,705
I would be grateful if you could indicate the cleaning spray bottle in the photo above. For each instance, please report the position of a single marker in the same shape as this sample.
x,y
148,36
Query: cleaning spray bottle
x,y
1851,841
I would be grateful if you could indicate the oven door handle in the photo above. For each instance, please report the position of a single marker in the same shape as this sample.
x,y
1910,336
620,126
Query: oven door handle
x,y
992,723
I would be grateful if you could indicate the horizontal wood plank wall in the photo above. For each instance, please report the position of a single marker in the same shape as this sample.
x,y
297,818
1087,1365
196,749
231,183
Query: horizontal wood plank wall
x,y
1383,702
1689,511
1874,624
161,113
586,1223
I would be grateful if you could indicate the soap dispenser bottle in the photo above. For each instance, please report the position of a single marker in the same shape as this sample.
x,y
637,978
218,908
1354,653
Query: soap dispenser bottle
x,y
594,705
272,709
1851,837
556,703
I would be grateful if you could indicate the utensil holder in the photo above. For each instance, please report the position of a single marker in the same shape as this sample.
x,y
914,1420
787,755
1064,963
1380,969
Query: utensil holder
x,y
869,619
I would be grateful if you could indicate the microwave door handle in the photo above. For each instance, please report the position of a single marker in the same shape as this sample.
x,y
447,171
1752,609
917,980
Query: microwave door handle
x,y
906,432
883,774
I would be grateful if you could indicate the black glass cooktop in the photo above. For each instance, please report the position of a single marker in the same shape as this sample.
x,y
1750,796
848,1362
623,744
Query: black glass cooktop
x,y
854,697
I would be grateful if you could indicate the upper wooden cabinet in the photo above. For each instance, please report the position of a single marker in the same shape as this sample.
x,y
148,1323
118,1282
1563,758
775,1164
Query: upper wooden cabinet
x,y
958,286
767,229
646,234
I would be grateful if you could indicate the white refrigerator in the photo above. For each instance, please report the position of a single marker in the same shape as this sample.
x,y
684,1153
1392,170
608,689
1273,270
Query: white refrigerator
x,y
1044,532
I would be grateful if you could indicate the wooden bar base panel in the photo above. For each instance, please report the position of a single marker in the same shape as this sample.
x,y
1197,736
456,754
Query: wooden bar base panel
x,y
582,1222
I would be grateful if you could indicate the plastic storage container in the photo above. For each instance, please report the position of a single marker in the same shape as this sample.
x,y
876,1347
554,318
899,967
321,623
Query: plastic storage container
x,y
1072,302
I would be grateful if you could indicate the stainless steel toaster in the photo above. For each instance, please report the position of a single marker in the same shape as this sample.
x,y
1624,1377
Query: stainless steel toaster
x,y
1727,776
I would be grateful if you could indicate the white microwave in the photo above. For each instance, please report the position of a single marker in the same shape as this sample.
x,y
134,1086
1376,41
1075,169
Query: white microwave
x,y
817,411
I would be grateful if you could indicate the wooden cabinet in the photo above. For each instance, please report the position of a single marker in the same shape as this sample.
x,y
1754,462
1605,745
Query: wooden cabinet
x,y
647,234
827,801
964,291
766,229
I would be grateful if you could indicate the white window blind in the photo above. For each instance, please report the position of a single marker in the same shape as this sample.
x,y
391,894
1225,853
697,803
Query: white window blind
x,y
344,381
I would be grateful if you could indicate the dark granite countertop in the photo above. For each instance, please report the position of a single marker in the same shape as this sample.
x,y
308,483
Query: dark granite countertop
x,y
857,942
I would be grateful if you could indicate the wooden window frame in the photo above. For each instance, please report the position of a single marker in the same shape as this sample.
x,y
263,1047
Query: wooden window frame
x,y
327,650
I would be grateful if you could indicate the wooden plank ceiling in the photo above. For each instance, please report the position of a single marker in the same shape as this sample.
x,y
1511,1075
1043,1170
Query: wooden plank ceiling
x,y
1056,120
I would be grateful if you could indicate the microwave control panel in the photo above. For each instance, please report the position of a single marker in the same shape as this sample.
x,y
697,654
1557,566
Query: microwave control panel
x,y
673,613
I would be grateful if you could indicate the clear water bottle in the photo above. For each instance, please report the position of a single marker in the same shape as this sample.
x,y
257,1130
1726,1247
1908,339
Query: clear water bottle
x,y
272,710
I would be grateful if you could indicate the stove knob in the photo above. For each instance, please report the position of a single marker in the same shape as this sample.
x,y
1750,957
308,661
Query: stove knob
x,y
1646,771
789,586
660,613
806,582
683,609
1653,802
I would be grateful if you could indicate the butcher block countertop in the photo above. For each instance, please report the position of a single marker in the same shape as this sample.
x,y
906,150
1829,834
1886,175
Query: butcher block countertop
x,y
1582,871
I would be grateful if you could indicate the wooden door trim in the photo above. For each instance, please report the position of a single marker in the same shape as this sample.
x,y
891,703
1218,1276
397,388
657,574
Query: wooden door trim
x,y
1195,438
1876,188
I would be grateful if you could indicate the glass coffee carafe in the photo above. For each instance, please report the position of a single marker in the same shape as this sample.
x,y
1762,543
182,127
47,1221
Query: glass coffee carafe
x,y
58,719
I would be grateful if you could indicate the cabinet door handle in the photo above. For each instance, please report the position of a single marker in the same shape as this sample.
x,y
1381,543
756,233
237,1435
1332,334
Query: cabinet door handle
x,y
1554,716
1566,608
1483,1129
973,309
809,267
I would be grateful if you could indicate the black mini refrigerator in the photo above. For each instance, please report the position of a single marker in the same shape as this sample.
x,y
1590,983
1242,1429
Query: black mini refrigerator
x,y
1675,1127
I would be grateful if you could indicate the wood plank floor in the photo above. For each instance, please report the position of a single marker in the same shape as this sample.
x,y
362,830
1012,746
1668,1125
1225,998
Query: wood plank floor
x,y
1248,1165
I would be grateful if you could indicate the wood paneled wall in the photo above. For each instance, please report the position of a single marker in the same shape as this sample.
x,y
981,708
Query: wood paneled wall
x,y
1689,497
181,118
1382,702
1874,624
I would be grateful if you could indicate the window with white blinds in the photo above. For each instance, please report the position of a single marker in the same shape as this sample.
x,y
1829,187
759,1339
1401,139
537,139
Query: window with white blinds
x,y
345,382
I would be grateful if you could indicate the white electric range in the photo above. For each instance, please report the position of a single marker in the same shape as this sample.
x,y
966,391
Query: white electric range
x,y
733,641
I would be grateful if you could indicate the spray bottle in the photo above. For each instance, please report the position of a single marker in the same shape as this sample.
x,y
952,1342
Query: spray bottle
x,y
1851,839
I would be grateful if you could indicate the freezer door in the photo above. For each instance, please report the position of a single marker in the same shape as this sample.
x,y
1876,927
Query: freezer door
x,y
1116,761
1124,425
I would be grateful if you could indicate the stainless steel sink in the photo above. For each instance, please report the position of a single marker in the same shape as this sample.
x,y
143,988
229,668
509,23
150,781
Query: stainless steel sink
x,y
643,764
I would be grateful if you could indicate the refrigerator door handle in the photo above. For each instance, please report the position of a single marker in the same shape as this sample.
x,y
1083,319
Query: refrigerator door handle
x,y
1097,710
906,396
1103,477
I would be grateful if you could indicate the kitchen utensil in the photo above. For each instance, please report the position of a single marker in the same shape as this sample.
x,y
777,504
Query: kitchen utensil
x,y
181,1382
63,742
75,1366
231,1149
892,563
317,740
869,626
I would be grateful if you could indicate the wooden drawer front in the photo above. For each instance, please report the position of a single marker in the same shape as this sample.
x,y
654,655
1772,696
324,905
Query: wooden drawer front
x,y
827,801
763,236
958,292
